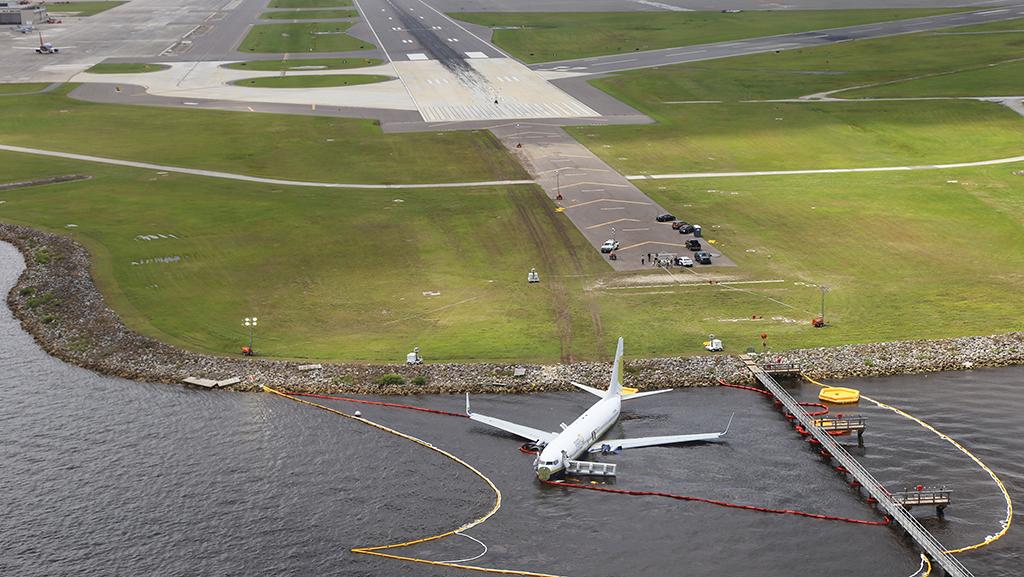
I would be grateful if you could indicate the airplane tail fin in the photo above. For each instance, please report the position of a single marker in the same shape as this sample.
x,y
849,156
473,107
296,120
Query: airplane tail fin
x,y
615,386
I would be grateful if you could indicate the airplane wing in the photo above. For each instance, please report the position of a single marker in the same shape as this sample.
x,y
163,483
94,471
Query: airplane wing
x,y
529,433
612,445
643,394
591,390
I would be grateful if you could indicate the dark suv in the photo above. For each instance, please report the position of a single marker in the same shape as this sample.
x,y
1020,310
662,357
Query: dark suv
x,y
693,244
702,257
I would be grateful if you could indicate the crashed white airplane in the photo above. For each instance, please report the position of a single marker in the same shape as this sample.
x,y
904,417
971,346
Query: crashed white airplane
x,y
559,450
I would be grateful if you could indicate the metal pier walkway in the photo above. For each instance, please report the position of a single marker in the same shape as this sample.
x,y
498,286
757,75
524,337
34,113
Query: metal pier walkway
x,y
929,544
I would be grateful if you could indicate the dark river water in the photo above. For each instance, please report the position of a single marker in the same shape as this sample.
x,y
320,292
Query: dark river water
x,y
101,476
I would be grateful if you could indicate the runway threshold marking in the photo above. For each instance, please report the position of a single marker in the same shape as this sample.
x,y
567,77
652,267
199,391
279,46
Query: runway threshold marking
x,y
615,221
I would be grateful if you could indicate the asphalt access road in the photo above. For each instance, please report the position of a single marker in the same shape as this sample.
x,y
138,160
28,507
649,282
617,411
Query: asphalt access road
x,y
664,57
599,201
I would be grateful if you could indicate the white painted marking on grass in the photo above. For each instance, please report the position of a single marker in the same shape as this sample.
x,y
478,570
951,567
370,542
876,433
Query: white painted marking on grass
x,y
246,178
1009,160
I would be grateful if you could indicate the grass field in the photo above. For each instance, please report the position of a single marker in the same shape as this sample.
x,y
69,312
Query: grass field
x,y
331,274
342,274
312,81
304,63
22,88
280,146
784,136
544,37
82,8
308,37
738,135
125,68
908,255
308,14
991,80
308,3
795,73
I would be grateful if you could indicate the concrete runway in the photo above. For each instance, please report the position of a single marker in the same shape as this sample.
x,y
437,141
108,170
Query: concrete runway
x,y
453,75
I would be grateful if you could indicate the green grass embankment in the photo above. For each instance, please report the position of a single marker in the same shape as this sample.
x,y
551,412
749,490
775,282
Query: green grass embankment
x,y
21,88
308,14
331,274
308,3
304,64
735,135
270,145
352,275
125,68
302,37
544,36
312,81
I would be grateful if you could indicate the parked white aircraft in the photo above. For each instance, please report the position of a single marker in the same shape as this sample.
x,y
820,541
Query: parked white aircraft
x,y
559,450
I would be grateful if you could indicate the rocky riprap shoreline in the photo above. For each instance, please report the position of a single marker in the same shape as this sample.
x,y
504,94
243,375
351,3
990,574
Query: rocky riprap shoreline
x,y
57,302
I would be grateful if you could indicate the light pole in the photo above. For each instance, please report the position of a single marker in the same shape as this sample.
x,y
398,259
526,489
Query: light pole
x,y
250,322
824,290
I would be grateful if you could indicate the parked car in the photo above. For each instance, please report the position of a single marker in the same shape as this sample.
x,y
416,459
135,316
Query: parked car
x,y
665,217
684,261
678,223
685,228
609,246
693,244
702,257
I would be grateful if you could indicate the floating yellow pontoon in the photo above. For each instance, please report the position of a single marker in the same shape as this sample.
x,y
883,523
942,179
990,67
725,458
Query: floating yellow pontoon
x,y
839,395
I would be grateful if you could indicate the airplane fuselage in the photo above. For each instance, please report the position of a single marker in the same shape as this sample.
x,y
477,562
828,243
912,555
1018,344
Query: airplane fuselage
x,y
579,436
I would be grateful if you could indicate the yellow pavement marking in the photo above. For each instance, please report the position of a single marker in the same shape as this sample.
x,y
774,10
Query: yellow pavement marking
x,y
613,222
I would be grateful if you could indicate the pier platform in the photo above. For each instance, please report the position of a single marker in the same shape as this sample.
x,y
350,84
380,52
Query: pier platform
x,y
890,503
